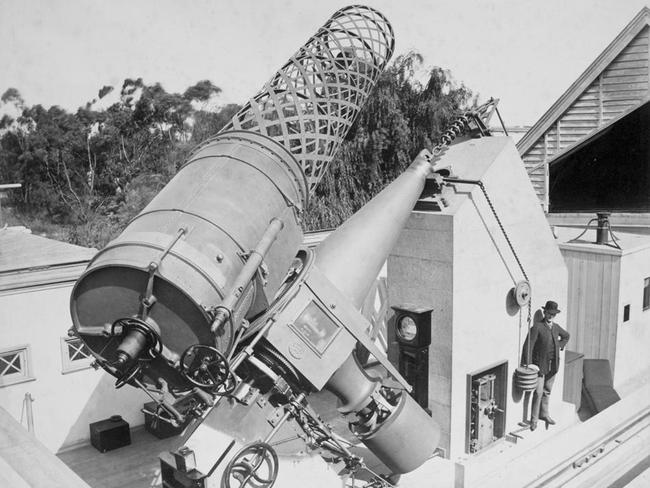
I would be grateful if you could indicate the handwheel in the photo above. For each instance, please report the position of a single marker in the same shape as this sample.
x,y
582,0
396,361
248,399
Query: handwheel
x,y
255,466
127,377
205,366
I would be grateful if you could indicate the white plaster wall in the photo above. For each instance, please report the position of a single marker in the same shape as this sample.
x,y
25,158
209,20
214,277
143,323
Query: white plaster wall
x,y
484,271
64,403
420,273
633,336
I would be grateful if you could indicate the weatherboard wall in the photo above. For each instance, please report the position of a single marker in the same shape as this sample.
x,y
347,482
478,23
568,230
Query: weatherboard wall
x,y
633,336
592,311
601,96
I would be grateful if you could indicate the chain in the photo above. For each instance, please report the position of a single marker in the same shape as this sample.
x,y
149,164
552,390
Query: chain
x,y
461,125
514,253
458,127
503,230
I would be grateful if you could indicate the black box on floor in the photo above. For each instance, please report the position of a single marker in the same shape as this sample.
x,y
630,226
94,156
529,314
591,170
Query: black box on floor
x,y
156,426
110,434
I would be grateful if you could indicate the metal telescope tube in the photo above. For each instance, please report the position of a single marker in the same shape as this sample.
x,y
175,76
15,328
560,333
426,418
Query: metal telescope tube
x,y
351,258
164,291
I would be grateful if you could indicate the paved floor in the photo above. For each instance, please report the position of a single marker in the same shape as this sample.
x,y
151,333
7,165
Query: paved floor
x,y
134,466
138,466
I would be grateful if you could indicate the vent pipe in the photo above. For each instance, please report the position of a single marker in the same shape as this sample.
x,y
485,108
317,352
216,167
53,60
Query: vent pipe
x,y
603,229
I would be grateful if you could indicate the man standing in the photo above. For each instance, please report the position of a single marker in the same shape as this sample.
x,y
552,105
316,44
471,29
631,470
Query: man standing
x,y
547,339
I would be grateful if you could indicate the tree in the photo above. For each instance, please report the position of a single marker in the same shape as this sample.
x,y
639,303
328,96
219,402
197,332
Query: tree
x,y
401,117
202,91
91,171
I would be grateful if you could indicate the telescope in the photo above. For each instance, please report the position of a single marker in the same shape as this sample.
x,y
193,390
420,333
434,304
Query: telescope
x,y
208,301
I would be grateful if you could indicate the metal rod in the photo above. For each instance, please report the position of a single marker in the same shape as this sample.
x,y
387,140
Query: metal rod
x,y
29,412
224,311
221,458
505,131
248,350
167,250
284,418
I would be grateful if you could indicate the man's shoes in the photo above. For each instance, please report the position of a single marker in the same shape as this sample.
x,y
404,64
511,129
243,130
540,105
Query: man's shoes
x,y
548,420
533,425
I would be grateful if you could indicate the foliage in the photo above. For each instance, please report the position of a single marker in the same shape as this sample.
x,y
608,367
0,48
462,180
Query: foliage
x,y
91,171
401,117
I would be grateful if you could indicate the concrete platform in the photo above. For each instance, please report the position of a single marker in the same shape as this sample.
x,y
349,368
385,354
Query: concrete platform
x,y
589,454
26,463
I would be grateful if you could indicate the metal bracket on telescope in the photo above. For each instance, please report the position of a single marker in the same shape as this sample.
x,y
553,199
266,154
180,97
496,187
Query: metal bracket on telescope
x,y
148,298
251,268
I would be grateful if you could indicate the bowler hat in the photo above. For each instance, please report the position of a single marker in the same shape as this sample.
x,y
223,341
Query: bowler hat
x,y
551,307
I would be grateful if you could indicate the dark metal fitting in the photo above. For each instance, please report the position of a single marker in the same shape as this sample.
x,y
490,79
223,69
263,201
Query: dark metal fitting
x,y
221,315
282,387
122,360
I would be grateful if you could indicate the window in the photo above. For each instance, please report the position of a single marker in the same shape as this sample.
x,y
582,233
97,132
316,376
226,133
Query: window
x,y
646,294
15,366
626,313
74,355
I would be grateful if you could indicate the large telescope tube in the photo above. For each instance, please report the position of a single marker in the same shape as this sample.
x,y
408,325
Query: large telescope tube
x,y
351,257
157,289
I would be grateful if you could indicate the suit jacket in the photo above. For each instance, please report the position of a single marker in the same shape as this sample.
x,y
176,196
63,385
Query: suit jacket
x,y
545,345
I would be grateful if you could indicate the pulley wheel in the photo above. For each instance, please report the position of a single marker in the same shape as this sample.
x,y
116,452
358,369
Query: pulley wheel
x,y
522,293
255,466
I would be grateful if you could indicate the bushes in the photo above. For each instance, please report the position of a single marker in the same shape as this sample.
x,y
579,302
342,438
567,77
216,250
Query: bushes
x,y
92,171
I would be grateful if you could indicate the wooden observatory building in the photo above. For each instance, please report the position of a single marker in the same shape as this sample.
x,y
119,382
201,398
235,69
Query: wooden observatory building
x,y
589,151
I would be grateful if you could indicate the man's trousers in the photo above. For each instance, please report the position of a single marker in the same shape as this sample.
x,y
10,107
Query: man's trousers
x,y
541,396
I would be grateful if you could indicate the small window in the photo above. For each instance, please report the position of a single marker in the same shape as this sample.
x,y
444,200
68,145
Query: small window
x,y
646,294
74,354
15,366
626,313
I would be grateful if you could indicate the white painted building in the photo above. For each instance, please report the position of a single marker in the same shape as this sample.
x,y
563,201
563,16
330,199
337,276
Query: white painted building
x,y
37,358
456,260
608,313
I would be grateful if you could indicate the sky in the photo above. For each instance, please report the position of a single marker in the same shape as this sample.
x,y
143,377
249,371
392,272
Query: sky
x,y
526,53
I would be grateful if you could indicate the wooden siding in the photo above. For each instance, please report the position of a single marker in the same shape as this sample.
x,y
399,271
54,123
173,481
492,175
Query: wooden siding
x,y
592,311
623,84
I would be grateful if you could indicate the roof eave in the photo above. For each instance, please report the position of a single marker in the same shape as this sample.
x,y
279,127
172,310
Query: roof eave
x,y
595,134
641,20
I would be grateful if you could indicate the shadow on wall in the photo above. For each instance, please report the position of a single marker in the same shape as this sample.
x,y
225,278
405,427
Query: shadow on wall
x,y
103,402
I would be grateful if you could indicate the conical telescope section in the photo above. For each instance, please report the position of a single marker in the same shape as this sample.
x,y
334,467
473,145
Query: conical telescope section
x,y
309,105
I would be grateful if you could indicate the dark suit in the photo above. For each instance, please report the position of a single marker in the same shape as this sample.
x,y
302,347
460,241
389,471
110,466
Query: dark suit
x,y
545,345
